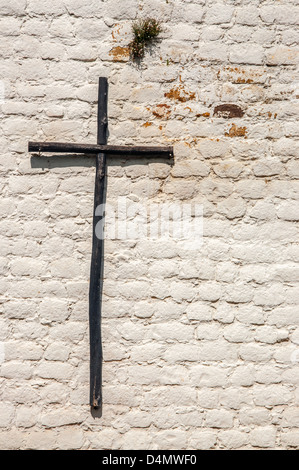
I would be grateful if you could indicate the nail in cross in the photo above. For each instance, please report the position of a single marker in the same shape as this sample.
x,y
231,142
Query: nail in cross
x,y
101,149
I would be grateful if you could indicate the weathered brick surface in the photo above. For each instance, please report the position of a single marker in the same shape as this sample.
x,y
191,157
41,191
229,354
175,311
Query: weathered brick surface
x,y
201,345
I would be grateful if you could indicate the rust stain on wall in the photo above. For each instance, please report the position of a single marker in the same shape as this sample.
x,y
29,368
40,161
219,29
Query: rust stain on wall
x,y
115,32
228,111
120,53
205,115
161,111
235,131
241,76
243,80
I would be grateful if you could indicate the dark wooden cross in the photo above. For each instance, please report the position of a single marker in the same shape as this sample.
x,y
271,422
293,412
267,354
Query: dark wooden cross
x,y
101,149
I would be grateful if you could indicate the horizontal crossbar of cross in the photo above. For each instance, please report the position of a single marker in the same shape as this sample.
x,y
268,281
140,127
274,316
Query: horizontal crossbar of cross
x,y
121,150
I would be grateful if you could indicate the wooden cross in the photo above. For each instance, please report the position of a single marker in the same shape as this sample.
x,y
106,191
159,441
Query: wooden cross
x,y
101,149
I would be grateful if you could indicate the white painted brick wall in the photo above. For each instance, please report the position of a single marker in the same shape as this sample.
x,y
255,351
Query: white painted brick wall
x,y
201,346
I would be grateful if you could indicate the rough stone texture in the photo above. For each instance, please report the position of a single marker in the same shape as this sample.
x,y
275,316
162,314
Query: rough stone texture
x,y
200,344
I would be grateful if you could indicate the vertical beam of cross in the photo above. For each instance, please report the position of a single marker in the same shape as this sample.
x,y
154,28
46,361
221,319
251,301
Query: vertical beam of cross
x,y
96,268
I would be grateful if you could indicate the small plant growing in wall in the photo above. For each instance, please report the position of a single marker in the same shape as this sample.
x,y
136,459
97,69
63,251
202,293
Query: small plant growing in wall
x,y
144,31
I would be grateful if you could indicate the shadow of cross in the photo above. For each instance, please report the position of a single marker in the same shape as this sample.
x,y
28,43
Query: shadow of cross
x,y
101,149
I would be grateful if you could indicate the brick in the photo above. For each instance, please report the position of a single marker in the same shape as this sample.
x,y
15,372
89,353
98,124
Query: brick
x,y
258,416
57,352
265,297
80,9
190,168
70,439
271,395
263,210
224,314
218,350
232,207
16,370
268,375
237,334
219,14
247,15
263,437
226,272
228,169
45,439
208,398
66,268
267,167
240,33
83,53
146,352
139,419
172,375
270,335
282,55
290,418
290,438
213,148
241,293
109,438
58,418
170,331
139,437
52,370
243,376
235,398
219,419
246,54
293,169
142,374
210,331
192,13
210,51
30,350
53,310
53,393
204,440
288,211
255,353
280,14
11,439
286,146
199,311
233,439
7,412
15,7
295,336
185,32
208,376
27,416
70,331
28,267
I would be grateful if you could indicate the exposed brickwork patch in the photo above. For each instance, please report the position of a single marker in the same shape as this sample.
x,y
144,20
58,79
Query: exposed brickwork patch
x,y
228,111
